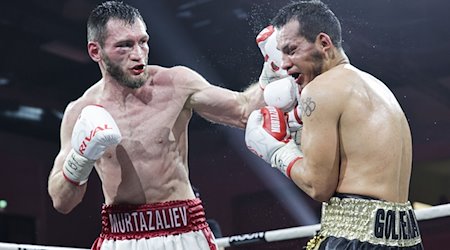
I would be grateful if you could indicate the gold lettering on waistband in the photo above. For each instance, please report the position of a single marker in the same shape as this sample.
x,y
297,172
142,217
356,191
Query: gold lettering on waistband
x,y
373,221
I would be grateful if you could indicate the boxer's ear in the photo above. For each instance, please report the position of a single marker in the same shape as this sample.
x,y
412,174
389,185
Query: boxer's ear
x,y
324,41
94,51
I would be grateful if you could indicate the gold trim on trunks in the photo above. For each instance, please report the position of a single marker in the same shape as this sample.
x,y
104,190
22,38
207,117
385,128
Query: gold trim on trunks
x,y
314,243
373,221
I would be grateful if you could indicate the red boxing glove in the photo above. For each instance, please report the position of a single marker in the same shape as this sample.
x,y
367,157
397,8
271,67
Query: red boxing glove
x,y
266,131
267,136
275,123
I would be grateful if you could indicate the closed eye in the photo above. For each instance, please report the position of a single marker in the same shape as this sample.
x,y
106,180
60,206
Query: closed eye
x,y
289,50
292,50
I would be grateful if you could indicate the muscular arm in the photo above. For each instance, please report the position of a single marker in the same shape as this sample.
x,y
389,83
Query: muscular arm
x,y
318,172
222,105
65,195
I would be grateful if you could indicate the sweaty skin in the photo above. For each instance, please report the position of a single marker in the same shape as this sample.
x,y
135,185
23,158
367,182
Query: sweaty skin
x,y
151,162
355,137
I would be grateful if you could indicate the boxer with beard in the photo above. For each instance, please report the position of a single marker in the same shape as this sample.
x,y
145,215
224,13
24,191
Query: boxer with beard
x,y
131,126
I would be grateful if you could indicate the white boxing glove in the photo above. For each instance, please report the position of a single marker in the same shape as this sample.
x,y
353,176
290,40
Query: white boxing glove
x,y
267,136
94,131
267,43
281,94
284,158
295,124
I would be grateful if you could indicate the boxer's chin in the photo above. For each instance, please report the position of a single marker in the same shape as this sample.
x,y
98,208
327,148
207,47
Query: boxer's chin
x,y
133,81
136,81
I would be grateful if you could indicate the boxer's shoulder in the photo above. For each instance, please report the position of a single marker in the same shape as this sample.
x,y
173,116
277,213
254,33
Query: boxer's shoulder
x,y
337,81
74,108
164,74
182,72
182,76
156,69
91,96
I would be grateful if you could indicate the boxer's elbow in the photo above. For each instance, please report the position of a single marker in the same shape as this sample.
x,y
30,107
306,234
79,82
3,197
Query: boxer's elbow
x,y
321,189
315,185
64,202
319,194
62,206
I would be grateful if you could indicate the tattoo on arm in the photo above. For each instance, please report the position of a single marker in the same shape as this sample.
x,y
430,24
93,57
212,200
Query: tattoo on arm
x,y
308,106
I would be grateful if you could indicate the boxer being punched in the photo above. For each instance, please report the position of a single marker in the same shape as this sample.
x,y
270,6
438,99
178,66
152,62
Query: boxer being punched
x,y
355,152
131,126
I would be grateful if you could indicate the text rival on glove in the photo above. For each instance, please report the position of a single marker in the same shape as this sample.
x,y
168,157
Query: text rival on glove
x,y
83,145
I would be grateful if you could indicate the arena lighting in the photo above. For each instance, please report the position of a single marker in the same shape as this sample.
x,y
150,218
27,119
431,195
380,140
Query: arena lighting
x,y
25,113
29,120
58,114
4,81
67,51
29,113
3,204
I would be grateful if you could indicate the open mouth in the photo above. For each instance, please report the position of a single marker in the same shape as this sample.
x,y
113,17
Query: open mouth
x,y
298,78
138,69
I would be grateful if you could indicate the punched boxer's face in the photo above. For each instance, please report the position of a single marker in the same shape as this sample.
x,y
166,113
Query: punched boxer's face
x,y
302,59
125,52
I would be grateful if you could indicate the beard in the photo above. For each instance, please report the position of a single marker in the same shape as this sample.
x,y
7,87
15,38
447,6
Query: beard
x,y
317,58
124,79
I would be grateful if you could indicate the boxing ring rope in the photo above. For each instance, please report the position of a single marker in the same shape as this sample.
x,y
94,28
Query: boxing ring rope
x,y
250,238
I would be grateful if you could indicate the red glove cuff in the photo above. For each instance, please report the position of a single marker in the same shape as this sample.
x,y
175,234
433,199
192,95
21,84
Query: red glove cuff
x,y
289,168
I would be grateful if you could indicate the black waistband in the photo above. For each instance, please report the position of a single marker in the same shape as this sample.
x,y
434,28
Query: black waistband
x,y
354,196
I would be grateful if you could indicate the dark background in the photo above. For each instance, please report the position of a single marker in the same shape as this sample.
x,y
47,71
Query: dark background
x,y
44,65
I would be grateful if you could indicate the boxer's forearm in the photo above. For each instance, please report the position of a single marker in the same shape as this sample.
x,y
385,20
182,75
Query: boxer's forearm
x,y
65,195
254,99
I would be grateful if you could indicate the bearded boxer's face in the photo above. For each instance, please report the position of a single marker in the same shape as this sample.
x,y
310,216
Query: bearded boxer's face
x,y
125,52
301,58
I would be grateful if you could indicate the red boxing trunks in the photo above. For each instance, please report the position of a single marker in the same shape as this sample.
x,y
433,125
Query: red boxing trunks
x,y
181,222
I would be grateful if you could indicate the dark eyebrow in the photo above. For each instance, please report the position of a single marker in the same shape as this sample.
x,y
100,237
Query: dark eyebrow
x,y
285,49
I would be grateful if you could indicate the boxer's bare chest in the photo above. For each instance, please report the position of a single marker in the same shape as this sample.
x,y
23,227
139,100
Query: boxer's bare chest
x,y
149,119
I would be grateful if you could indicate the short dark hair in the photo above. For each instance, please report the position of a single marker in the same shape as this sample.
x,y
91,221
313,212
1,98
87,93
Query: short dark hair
x,y
314,17
99,17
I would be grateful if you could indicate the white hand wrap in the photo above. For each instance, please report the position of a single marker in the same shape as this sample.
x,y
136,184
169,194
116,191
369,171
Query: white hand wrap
x,y
77,168
284,158
94,131
295,124
267,43
281,94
